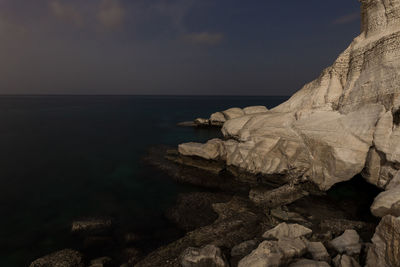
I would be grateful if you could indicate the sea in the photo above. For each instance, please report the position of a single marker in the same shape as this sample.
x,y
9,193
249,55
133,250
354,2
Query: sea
x,y
63,158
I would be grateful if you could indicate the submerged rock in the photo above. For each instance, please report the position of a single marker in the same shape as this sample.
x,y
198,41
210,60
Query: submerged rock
x,y
63,258
91,226
276,197
207,256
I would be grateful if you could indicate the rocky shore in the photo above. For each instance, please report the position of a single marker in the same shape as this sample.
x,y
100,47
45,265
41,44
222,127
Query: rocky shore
x,y
269,186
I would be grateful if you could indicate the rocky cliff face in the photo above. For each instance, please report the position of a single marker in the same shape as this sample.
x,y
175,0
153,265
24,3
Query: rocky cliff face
x,y
341,124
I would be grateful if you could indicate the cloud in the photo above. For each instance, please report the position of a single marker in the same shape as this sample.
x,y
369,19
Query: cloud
x,y
66,12
346,19
111,14
204,38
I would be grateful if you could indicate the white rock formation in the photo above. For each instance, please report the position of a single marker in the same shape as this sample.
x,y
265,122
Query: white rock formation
x,y
220,117
342,123
345,261
318,251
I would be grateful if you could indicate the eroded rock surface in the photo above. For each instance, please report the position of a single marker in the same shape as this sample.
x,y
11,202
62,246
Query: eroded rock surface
x,y
385,250
348,242
285,230
343,123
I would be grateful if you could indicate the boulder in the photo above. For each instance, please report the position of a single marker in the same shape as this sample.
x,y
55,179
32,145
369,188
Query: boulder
x,y
385,250
207,256
318,251
63,258
345,261
274,253
387,202
348,242
309,263
285,230
244,248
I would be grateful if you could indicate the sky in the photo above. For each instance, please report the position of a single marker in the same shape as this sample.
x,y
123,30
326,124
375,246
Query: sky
x,y
170,47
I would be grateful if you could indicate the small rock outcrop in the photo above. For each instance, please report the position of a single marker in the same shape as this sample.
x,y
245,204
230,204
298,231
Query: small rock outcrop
x,y
275,253
348,242
345,261
62,258
220,117
387,202
285,230
207,256
318,251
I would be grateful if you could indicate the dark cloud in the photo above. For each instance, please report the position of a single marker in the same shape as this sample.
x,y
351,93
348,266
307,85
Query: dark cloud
x,y
204,38
347,18
111,14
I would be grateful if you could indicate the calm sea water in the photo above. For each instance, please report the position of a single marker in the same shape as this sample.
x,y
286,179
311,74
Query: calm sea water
x,y
66,157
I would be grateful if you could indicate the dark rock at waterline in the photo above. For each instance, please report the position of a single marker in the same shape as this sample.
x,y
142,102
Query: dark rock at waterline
x,y
194,210
92,226
63,258
238,220
102,262
207,256
198,172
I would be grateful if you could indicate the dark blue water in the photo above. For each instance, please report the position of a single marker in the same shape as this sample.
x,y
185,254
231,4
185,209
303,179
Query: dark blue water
x,y
66,157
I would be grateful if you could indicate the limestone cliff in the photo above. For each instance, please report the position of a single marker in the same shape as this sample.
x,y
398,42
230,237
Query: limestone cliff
x,y
339,125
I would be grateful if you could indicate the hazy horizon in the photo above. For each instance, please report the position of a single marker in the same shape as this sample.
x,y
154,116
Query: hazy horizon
x,y
177,47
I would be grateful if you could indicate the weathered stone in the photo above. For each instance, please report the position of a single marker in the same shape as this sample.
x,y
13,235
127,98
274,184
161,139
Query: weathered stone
x,y
283,195
318,251
254,109
309,263
385,251
274,253
211,150
285,230
244,248
339,124
233,113
63,258
201,122
387,202
345,261
348,242
91,226
101,262
207,256
217,118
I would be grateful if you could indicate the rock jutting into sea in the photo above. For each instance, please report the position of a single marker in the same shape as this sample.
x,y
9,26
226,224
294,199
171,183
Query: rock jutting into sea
x,y
344,123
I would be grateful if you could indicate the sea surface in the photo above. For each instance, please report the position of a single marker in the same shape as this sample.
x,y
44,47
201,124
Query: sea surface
x,y
68,157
